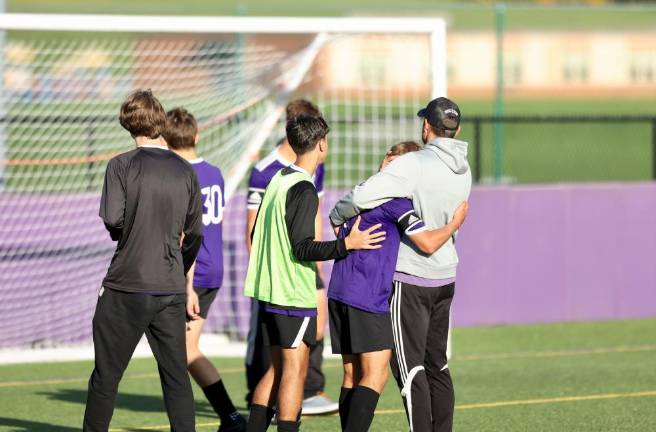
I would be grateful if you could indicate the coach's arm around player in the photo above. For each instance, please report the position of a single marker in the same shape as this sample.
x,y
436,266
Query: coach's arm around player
x,y
429,241
396,180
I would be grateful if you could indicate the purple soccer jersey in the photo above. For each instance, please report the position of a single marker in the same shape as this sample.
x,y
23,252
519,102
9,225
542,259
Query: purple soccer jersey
x,y
364,278
209,263
263,172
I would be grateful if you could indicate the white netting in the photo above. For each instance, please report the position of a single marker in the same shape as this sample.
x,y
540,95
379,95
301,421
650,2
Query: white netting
x,y
59,126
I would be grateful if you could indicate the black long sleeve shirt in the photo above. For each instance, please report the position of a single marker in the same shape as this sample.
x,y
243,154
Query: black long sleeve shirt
x,y
302,204
150,196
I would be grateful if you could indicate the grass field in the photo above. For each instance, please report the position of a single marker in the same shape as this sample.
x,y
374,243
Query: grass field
x,y
594,376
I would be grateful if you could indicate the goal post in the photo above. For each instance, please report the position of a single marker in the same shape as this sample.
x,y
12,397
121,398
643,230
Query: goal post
x,y
66,75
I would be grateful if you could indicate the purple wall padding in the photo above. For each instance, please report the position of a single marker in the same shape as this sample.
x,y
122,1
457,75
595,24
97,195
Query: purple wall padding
x,y
528,254
557,253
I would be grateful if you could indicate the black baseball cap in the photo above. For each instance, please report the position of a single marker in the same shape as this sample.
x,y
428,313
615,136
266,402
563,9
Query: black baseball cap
x,y
441,113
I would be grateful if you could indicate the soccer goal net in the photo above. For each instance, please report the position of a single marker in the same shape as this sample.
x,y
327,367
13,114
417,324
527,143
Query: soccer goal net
x,y
64,78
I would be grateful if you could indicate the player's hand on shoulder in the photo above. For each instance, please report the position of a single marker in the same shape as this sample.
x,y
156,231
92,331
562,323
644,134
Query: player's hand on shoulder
x,y
370,238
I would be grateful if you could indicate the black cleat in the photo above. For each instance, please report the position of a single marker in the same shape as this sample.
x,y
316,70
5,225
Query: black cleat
x,y
238,425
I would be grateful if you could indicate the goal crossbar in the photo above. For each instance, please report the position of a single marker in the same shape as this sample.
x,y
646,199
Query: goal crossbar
x,y
218,24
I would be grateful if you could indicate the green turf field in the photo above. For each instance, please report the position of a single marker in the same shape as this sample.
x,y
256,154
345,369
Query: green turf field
x,y
558,377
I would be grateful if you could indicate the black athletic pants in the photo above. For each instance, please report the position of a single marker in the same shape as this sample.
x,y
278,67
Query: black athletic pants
x,y
420,320
119,322
258,358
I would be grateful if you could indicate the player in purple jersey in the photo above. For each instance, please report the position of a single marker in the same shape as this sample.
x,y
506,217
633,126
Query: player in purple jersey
x,y
359,292
257,359
206,275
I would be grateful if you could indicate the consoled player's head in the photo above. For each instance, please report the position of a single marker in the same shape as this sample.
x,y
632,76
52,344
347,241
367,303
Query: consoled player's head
x,y
397,150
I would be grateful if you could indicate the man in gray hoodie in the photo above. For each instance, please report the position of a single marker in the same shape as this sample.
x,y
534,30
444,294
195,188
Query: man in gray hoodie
x,y
437,179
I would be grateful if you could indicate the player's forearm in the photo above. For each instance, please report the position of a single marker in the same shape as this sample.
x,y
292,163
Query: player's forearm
x,y
311,250
190,247
430,241
112,199
190,277
318,233
112,212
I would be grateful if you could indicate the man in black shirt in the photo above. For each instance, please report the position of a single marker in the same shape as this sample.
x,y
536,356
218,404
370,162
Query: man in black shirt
x,y
151,206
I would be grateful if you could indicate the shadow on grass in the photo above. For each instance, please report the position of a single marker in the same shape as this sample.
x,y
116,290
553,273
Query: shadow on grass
x,y
17,425
126,401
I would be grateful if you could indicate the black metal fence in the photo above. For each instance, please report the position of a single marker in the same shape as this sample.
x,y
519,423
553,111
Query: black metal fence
x,y
505,149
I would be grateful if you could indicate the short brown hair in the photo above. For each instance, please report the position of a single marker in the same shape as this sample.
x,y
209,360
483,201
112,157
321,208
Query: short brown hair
x,y
181,129
299,107
142,115
402,148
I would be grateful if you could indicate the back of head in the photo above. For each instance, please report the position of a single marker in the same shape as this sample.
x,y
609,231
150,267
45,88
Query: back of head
x,y
403,147
300,107
142,115
397,150
304,132
181,129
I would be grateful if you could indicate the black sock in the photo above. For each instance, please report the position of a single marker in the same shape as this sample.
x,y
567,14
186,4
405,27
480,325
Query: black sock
x,y
218,397
287,426
363,405
345,396
259,418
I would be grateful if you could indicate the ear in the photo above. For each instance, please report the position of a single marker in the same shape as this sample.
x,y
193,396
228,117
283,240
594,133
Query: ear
x,y
322,144
197,138
457,132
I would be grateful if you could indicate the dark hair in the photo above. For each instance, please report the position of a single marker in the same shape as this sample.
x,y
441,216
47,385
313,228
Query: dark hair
x,y
181,129
299,107
443,133
142,115
304,132
403,147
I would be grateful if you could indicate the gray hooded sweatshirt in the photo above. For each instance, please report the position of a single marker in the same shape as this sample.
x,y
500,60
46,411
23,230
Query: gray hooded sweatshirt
x,y
437,179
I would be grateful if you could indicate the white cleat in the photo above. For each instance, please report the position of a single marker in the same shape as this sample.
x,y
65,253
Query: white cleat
x,y
319,404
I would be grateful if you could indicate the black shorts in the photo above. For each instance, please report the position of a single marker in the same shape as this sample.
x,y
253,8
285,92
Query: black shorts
x,y
288,331
355,331
205,298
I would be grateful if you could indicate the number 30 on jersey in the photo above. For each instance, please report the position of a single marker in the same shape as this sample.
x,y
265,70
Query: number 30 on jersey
x,y
213,202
